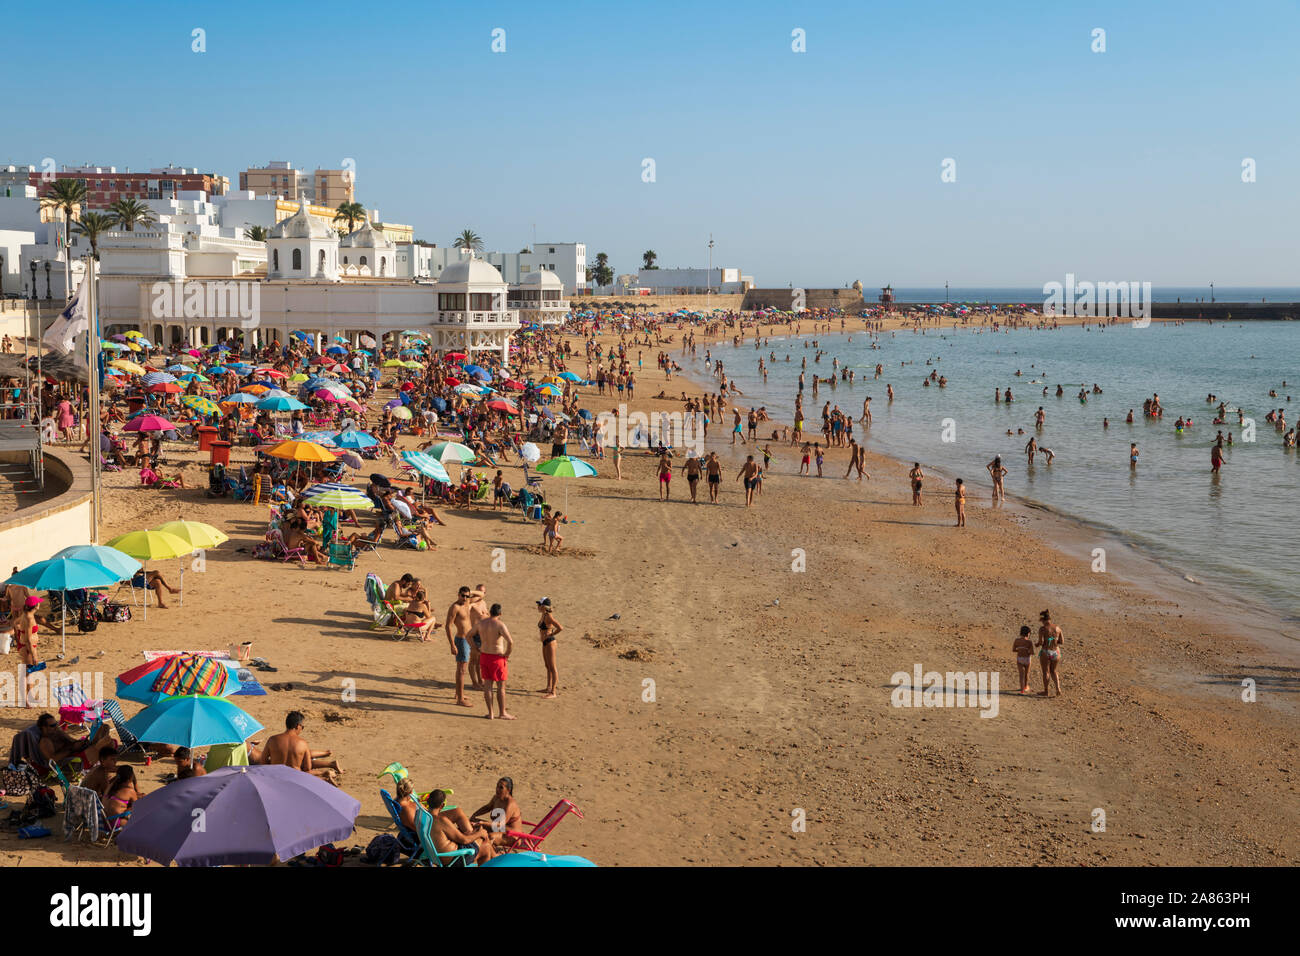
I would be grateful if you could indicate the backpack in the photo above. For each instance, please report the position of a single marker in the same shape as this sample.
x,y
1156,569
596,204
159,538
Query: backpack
x,y
329,855
384,850
115,613
87,620
41,802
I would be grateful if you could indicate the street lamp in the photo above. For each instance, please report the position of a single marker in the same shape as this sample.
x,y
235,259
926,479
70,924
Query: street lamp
x,y
708,277
34,295
1211,291
48,294
946,299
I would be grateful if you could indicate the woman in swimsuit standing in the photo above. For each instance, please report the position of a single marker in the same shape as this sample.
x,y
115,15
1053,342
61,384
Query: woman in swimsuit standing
x,y
998,471
548,628
1050,640
23,620
917,476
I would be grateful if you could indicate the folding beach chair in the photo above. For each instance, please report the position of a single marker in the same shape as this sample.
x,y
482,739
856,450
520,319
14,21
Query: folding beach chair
x,y
409,839
113,711
342,555
384,612
429,854
280,550
540,831
83,812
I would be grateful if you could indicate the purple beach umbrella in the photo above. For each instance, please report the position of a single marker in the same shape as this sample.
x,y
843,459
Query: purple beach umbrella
x,y
251,815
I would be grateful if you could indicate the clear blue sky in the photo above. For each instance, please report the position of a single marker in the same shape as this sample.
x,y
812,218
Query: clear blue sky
x,y
815,168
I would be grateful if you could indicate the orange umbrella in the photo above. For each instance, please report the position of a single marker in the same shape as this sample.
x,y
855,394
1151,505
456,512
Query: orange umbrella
x,y
302,451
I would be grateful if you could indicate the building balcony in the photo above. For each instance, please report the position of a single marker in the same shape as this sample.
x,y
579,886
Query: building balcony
x,y
507,319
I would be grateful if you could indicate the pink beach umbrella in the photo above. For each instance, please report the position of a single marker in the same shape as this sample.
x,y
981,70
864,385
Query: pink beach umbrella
x,y
148,423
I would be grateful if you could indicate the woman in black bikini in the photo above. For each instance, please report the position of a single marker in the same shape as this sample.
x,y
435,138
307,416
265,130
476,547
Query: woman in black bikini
x,y
548,628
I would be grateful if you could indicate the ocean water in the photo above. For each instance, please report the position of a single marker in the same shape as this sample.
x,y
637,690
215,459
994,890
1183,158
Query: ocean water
x,y
1034,295
1239,531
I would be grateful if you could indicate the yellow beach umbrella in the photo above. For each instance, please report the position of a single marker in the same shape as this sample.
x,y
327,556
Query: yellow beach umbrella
x,y
127,366
302,451
133,334
151,546
198,534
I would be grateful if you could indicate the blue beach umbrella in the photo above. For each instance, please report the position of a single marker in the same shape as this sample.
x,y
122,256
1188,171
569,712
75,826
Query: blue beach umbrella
x,y
281,404
66,574
355,440
193,721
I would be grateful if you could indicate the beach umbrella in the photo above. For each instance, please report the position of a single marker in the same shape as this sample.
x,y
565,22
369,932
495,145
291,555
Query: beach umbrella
x,y
176,675
566,467
193,720
460,356
501,405
530,452
281,403
302,451
445,451
204,406
254,815
429,467
355,440
325,486
127,366
549,389
194,377
178,368
351,500
533,858
394,363
110,558
151,546
66,574
274,393
153,378
148,423
240,398
570,377
402,412
298,378
198,534
167,388
113,347
256,389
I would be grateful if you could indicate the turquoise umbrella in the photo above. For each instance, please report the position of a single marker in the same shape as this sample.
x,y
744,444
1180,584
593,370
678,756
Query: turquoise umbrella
x,y
66,574
193,721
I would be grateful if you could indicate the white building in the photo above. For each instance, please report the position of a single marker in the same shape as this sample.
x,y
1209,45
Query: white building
x,y
367,252
568,260
539,297
693,281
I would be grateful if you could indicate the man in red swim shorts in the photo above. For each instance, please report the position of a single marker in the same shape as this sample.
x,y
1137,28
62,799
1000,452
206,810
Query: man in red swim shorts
x,y
494,658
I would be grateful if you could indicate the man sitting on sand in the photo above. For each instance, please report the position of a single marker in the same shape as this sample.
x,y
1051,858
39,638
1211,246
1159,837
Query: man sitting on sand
x,y
448,837
291,750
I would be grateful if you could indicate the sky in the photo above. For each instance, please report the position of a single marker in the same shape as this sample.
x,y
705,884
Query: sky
x,y
812,168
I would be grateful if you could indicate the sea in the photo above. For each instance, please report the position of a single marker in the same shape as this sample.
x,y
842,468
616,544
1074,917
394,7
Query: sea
x,y
1034,296
1237,532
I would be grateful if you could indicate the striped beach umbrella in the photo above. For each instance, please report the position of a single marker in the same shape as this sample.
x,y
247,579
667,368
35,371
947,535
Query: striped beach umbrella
x,y
204,406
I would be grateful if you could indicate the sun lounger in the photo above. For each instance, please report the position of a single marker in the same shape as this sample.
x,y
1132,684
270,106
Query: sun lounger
x,y
541,830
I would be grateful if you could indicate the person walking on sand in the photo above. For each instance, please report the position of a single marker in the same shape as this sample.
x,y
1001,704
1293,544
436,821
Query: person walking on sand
x,y
691,468
618,461
917,476
1050,640
494,659
998,471
549,629
749,472
713,474
960,498
1023,648
806,452
665,469
736,427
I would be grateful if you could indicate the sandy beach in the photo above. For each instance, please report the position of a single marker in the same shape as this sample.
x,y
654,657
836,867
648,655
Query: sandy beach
x,y
717,706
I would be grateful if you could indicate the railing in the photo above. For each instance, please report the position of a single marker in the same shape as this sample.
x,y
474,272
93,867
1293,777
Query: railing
x,y
504,319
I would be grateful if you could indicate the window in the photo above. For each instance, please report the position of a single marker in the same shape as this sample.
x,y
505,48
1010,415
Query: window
x,y
383,265
345,260
363,260
552,250
275,260
480,301
321,265
297,259
451,301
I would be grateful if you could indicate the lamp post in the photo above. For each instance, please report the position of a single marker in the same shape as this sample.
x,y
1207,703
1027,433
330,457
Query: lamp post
x,y
946,298
708,277
48,294
34,295
1211,291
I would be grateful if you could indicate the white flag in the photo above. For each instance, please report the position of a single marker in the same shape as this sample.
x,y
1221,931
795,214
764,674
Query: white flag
x,y
71,322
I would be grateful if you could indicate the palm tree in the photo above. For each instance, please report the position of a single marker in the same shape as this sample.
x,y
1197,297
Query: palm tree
x,y
603,274
92,225
648,259
469,239
350,213
127,212
255,233
69,197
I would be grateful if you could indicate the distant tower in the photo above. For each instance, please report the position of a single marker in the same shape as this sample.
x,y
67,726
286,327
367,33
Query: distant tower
x,y
887,297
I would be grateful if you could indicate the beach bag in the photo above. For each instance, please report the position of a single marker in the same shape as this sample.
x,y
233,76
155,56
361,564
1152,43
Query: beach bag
x,y
384,850
86,619
116,613
329,855
41,802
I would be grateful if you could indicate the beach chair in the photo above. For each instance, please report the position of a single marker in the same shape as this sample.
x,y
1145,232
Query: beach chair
x,y
342,555
113,711
406,538
429,855
541,830
384,612
409,839
275,538
83,812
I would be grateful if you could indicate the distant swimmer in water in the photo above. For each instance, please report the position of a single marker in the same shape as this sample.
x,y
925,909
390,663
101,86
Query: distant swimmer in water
x,y
1133,456
1129,420
1047,453
1031,449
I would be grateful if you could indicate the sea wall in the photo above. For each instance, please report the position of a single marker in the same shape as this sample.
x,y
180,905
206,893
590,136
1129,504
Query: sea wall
x,y
59,521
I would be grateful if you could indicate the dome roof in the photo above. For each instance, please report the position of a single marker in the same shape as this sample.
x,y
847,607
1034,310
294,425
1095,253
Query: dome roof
x,y
301,225
471,271
366,238
544,278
